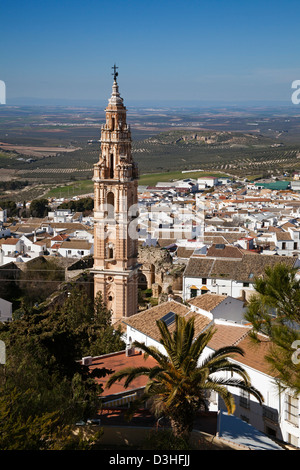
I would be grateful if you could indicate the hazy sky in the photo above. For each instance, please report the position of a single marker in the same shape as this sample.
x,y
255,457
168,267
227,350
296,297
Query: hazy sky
x,y
187,50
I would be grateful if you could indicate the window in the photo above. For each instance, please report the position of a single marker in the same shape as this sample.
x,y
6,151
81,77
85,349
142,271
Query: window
x,y
295,246
246,284
291,410
245,418
271,432
204,280
283,245
293,440
270,414
245,399
194,292
110,205
110,251
111,166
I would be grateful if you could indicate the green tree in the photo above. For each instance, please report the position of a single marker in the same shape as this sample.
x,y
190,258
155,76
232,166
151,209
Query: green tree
x,y
39,208
40,432
90,320
11,208
85,204
44,373
274,310
178,383
41,278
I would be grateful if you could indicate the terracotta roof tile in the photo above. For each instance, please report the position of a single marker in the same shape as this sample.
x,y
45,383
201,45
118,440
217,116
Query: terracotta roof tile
x,y
230,237
227,335
284,236
183,252
224,251
207,302
254,354
76,244
10,241
119,361
145,321
200,322
245,270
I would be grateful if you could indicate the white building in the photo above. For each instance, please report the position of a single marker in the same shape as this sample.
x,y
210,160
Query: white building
x,y
3,215
207,182
219,307
279,415
295,185
64,216
11,247
5,310
4,232
21,249
227,270
76,248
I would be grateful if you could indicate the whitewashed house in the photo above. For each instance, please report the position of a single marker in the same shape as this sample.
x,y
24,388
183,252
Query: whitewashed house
x,y
21,249
33,248
75,248
4,231
279,416
10,250
284,243
222,307
207,182
3,215
227,270
5,310
61,215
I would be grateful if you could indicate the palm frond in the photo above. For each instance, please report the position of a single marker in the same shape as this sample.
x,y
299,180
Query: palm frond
x,y
237,383
151,351
129,374
224,393
201,342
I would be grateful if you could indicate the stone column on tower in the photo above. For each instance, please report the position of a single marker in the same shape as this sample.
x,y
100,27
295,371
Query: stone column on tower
x,y
115,212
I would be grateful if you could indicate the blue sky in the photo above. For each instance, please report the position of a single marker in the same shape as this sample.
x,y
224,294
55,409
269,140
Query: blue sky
x,y
189,50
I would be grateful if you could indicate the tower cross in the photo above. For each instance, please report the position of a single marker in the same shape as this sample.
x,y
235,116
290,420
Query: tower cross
x,y
115,74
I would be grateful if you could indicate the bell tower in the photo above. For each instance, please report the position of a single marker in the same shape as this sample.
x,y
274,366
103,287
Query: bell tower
x,y
115,213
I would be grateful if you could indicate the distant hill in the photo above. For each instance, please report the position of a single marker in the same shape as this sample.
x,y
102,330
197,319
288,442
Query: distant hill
x,y
209,138
213,150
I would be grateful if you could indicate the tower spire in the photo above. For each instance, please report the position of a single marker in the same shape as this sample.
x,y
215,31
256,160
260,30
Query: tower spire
x,y
115,98
115,199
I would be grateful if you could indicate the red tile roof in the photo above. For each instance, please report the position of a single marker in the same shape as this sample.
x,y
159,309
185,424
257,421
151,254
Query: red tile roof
x,y
118,361
254,354
10,241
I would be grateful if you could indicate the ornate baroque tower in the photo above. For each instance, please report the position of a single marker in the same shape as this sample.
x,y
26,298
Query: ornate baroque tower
x,y
115,213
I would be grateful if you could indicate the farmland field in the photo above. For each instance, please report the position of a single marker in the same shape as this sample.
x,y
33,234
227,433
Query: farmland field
x,y
54,149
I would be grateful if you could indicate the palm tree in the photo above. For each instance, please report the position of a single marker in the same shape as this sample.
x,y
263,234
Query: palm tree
x,y
274,311
178,384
